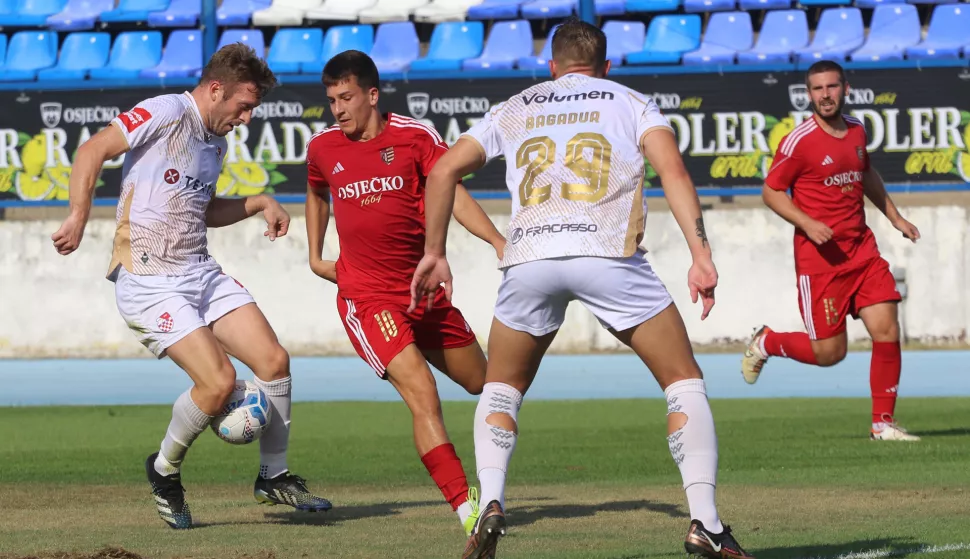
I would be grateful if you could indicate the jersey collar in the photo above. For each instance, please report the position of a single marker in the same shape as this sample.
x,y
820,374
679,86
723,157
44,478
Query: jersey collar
x,y
205,132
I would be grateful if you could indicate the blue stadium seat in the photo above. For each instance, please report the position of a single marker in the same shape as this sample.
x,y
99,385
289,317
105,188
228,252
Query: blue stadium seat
x,y
8,7
709,5
32,12
668,38
933,1
338,39
134,11
132,52
894,28
782,32
727,34
652,5
452,42
80,53
79,15
540,62
946,35
544,9
814,3
239,12
182,57
251,37
3,52
28,52
764,4
610,7
495,9
508,41
292,47
396,46
180,13
874,3
839,32
622,38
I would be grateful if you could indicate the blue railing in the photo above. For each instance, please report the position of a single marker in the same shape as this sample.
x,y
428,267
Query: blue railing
x,y
719,192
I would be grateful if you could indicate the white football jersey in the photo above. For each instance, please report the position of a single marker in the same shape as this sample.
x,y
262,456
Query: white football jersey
x,y
574,167
167,181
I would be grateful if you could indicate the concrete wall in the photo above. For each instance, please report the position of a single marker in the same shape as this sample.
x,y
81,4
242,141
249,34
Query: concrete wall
x,y
61,306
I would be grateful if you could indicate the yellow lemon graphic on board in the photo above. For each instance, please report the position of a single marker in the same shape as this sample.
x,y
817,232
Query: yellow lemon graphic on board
x,y
251,178
963,165
779,131
33,155
61,177
34,188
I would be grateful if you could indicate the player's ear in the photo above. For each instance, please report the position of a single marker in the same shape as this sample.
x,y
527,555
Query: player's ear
x,y
373,95
606,68
552,69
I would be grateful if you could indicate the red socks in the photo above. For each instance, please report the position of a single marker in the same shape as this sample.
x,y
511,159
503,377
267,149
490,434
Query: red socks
x,y
884,372
793,345
445,469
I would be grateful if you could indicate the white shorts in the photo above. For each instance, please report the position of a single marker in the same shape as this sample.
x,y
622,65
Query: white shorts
x,y
162,310
620,292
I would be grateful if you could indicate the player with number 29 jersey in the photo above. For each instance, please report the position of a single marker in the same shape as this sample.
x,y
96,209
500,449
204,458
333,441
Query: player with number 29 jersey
x,y
575,168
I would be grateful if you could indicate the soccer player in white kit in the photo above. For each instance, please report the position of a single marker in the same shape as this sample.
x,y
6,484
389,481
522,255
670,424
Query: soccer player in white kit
x,y
170,291
574,148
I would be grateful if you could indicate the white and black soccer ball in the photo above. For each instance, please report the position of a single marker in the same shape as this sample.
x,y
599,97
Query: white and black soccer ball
x,y
246,415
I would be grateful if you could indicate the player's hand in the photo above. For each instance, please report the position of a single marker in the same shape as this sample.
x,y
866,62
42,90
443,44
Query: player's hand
x,y
432,272
499,247
907,229
326,269
818,232
68,237
277,220
702,279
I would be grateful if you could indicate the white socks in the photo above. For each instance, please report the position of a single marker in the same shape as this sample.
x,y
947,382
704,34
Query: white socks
x,y
273,443
494,445
694,449
188,422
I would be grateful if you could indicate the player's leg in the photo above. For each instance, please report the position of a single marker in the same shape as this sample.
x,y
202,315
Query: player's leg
x,y
244,332
163,314
877,300
383,335
449,344
631,301
528,313
824,301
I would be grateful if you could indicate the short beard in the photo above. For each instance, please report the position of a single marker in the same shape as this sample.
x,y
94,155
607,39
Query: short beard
x,y
838,113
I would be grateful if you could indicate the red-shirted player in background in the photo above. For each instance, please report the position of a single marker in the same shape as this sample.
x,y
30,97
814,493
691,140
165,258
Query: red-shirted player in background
x,y
839,268
374,167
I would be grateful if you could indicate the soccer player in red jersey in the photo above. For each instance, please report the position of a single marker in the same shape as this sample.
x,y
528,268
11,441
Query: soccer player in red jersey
x,y
840,271
373,167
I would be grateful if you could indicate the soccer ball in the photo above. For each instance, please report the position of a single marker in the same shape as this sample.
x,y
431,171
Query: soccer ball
x,y
246,415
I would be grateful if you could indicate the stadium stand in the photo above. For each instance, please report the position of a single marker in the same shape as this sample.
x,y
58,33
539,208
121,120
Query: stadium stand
x,y
182,57
894,28
544,9
668,38
80,53
946,35
727,34
338,39
444,10
839,32
251,37
285,12
541,61
390,10
132,52
79,15
451,43
30,13
622,38
396,46
180,13
239,12
508,41
28,52
652,5
495,9
133,11
291,48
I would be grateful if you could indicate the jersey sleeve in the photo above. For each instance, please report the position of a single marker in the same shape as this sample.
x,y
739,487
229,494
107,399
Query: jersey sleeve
x,y
649,116
314,174
785,168
486,132
429,147
149,120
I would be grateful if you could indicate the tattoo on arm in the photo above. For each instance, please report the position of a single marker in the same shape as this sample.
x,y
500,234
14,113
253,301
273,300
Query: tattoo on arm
x,y
701,231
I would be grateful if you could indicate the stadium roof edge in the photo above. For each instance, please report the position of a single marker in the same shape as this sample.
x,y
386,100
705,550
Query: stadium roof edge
x,y
471,75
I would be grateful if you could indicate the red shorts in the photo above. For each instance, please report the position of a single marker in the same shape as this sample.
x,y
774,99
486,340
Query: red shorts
x,y
380,329
826,299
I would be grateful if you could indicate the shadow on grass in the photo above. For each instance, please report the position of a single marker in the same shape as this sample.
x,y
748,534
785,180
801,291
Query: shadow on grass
x,y
526,515
334,516
958,432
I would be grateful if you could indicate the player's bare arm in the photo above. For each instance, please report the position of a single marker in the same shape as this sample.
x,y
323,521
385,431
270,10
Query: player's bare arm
x,y
472,217
660,148
223,212
781,204
875,190
465,157
317,212
106,144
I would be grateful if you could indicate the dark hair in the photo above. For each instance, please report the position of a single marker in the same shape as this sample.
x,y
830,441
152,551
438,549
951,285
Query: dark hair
x,y
825,66
237,64
578,42
348,64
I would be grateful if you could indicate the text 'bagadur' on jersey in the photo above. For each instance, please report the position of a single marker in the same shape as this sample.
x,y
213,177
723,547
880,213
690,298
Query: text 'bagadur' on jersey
x,y
167,181
574,167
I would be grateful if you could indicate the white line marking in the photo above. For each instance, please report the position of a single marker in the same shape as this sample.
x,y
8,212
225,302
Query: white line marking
x,y
879,554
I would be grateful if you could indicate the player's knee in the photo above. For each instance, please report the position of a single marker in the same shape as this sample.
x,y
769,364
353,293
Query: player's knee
x,y
888,332
277,365
830,356
503,421
218,389
475,386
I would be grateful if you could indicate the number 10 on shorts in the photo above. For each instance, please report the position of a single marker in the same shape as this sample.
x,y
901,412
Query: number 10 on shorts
x,y
386,322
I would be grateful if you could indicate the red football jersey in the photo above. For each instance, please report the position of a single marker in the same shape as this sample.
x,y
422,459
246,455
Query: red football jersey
x,y
825,176
377,192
